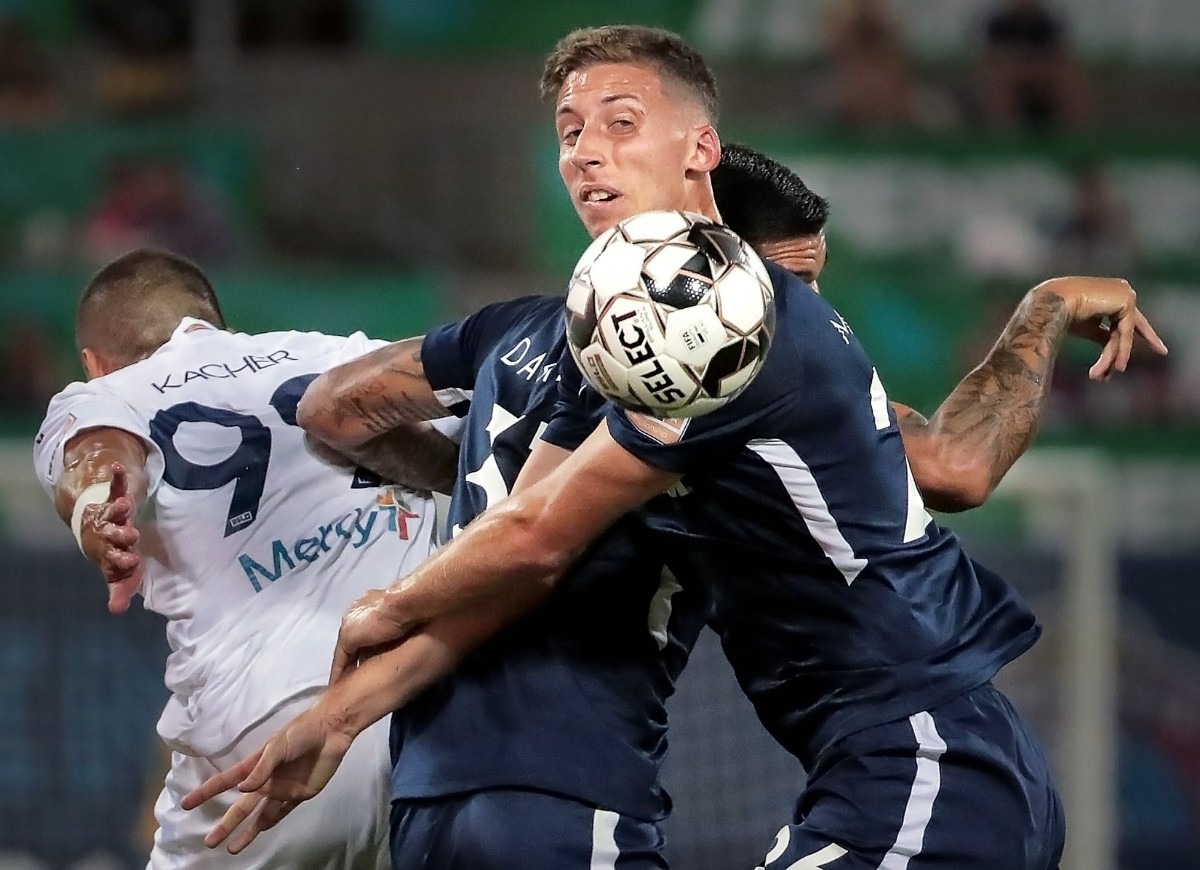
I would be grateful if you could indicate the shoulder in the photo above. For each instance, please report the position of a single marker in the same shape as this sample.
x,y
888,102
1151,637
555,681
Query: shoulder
x,y
523,310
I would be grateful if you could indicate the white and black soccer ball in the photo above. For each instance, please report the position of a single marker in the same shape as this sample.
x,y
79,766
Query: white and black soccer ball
x,y
670,314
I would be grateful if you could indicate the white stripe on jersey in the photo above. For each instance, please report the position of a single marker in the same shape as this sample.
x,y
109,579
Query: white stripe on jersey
x,y
879,403
918,518
925,787
802,487
604,840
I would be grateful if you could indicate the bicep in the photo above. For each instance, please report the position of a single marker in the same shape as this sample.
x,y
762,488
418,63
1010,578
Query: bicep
x,y
351,403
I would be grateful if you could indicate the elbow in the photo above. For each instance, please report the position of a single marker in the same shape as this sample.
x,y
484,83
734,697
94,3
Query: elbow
x,y
954,487
315,412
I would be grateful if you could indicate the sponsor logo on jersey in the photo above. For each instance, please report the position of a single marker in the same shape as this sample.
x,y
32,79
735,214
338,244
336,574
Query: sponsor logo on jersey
x,y
528,364
663,430
249,364
359,527
842,327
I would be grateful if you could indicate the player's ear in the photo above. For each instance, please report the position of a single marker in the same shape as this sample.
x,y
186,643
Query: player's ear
x,y
93,367
706,153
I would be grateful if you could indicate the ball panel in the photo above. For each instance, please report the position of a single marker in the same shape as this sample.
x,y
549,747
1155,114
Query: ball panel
x,y
593,251
603,371
663,385
630,330
717,243
738,380
654,226
617,269
723,364
693,335
664,265
740,299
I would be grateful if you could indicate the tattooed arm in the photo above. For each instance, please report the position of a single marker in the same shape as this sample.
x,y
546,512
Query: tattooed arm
x,y
373,410
969,444
413,454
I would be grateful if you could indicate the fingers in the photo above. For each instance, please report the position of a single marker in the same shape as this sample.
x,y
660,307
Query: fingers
x,y
269,758
119,486
238,813
270,813
221,782
1147,332
118,512
121,592
341,663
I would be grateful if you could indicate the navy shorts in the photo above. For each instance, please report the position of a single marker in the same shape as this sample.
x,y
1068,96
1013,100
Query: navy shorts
x,y
508,829
963,785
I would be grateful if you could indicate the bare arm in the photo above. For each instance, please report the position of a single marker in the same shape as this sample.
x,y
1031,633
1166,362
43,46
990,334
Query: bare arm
x,y
88,458
349,405
114,460
508,559
297,762
961,453
413,454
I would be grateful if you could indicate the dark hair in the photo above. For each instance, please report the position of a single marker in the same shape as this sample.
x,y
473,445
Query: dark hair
x,y
762,200
630,43
132,305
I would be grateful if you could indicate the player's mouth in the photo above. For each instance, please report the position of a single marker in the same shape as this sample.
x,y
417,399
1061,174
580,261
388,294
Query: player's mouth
x,y
598,197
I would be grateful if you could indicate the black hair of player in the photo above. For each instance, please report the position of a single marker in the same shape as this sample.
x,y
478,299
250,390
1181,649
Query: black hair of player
x,y
762,200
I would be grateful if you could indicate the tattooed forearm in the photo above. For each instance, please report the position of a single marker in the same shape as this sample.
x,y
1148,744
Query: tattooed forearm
x,y
996,410
413,455
354,402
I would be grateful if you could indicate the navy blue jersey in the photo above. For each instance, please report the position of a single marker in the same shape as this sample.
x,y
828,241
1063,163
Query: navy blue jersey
x,y
840,603
571,699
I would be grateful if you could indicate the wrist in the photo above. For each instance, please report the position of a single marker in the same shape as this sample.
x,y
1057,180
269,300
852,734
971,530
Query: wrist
x,y
337,713
97,493
1063,289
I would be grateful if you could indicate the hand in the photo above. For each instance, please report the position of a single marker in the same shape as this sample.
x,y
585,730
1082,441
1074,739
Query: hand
x,y
1092,300
367,628
291,768
109,537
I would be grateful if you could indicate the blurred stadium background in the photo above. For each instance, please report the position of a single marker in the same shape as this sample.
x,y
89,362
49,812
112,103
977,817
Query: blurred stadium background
x,y
384,165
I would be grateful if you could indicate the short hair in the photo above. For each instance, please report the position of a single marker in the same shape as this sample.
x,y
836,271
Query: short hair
x,y
131,306
762,200
667,52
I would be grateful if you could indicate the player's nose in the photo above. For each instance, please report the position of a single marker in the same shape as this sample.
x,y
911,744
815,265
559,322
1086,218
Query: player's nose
x,y
589,150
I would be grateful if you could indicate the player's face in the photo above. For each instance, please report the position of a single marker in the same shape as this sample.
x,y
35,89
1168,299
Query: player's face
x,y
630,143
804,256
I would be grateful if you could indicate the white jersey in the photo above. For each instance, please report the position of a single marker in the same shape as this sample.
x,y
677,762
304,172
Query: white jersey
x,y
255,547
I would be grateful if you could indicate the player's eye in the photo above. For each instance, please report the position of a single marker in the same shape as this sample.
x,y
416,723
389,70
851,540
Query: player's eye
x,y
570,134
623,123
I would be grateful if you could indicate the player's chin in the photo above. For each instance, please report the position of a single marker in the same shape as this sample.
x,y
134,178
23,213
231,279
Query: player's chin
x,y
600,217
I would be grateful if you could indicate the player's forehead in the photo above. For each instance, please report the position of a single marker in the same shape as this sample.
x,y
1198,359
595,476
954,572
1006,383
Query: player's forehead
x,y
602,84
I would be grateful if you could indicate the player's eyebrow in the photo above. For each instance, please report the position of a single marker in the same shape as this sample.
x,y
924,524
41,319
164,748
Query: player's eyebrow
x,y
566,108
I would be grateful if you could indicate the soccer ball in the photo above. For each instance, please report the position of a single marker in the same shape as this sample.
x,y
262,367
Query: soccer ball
x,y
670,314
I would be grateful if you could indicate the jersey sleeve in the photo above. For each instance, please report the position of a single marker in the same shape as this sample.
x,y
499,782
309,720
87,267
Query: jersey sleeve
x,y
453,354
358,344
80,407
681,445
579,408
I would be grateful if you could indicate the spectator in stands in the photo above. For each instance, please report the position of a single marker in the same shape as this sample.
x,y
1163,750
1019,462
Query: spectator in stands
x,y
30,366
871,78
1030,78
28,93
1095,235
156,204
